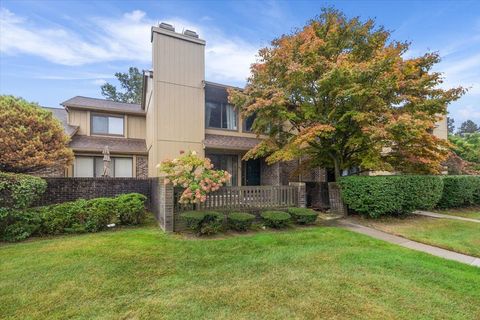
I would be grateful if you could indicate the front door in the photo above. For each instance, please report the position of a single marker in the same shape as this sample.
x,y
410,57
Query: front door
x,y
251,172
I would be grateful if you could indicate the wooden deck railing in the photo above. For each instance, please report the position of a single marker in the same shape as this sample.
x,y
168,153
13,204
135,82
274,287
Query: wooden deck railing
x,y
245,197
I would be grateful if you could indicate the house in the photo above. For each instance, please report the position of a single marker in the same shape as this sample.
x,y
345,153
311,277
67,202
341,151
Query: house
x,y
180,111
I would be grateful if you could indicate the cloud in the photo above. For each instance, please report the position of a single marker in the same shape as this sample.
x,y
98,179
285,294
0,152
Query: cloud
x,y
120,38
99,82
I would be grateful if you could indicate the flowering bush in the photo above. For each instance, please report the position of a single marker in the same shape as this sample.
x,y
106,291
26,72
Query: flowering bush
x,y
195,175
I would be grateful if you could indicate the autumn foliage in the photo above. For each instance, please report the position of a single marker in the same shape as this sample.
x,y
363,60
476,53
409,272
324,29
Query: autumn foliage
x,y
30,137
195,175
341,94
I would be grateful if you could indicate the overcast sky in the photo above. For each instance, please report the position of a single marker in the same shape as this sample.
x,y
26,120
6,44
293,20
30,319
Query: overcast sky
x,y
53,50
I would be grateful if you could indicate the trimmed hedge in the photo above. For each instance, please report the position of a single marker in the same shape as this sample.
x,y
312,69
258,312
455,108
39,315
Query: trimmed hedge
x,y
460,191
383,195
240,221
203,222
19,191
303,215
72,217
275,219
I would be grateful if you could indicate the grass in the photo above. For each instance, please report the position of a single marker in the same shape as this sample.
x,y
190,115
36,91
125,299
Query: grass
x,y
318,272
470,212
459,236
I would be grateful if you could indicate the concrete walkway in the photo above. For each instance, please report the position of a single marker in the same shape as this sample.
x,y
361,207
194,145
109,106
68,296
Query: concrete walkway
x,y
444,216
439,252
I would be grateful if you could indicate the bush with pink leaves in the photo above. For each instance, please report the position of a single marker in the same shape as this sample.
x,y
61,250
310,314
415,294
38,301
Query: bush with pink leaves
x,y
195,175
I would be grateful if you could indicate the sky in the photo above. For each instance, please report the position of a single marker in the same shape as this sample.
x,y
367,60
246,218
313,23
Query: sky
x,y
51,51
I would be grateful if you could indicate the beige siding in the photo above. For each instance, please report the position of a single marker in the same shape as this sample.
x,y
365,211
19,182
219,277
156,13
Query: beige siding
x,y
175,117
135,127
80,118
441,130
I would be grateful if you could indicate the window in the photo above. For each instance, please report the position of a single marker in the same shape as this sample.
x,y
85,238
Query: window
x,y
93,167
220,115
112,125
225,162
248,123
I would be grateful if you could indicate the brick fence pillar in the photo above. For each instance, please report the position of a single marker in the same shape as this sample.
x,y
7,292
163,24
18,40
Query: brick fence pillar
x,y
336,203
162,204
301,193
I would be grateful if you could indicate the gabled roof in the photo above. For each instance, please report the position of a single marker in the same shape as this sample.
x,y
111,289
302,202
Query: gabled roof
x,y
96,104
61,114
115,145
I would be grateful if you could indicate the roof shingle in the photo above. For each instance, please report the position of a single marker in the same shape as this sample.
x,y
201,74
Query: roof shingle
x,y
103,105
230,142
115,145
62,115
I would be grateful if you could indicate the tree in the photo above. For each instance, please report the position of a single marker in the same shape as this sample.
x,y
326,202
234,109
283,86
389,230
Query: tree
x,y
450,125
467,147
131,82
30,137
341,94
468,127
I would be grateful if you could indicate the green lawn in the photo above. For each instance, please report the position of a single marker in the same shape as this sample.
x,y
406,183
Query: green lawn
x,y
319,272
471,212
460,236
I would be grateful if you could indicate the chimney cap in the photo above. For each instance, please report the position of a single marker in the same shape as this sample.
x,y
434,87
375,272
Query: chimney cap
x,y
166,26
190,33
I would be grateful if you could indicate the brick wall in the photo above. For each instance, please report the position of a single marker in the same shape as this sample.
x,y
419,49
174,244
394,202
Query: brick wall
x,y
56,171
142,167
269,174
68,189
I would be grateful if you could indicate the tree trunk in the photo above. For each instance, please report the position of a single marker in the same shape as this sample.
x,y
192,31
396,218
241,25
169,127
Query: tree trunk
x,y
336,163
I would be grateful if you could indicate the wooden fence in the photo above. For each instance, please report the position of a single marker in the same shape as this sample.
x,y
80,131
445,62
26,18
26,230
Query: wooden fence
x,y
245,197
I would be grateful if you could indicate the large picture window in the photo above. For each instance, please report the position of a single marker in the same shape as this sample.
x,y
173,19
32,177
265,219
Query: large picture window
x,y
108,125
220,115
226,162
248,123
93,167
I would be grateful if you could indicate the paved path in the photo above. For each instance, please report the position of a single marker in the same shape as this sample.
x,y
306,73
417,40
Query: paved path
x,y
444,216
439,252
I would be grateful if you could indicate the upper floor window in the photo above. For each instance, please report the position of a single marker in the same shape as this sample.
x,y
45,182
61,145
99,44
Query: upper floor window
x,y
220,115
106,124
248,123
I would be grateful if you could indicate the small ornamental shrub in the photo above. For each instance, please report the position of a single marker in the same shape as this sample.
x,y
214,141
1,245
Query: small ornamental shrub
x,y
17,225
131,208
303,215
19,191
203,222
384,195
195,175
275,219
71,217
240,221
460,191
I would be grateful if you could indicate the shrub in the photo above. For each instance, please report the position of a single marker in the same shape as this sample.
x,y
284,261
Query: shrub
x,y
460,191
203,222
17,225
383,195
240,221
19,191
303,215
275,219
71,217
131,208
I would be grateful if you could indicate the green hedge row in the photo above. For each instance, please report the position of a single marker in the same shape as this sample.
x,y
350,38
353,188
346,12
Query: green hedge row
x,y
210,222
385,195
19,191
72,217
460,191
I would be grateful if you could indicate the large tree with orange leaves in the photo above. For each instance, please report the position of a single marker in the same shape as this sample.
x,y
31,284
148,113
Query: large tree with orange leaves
x,y
30,137
340,93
